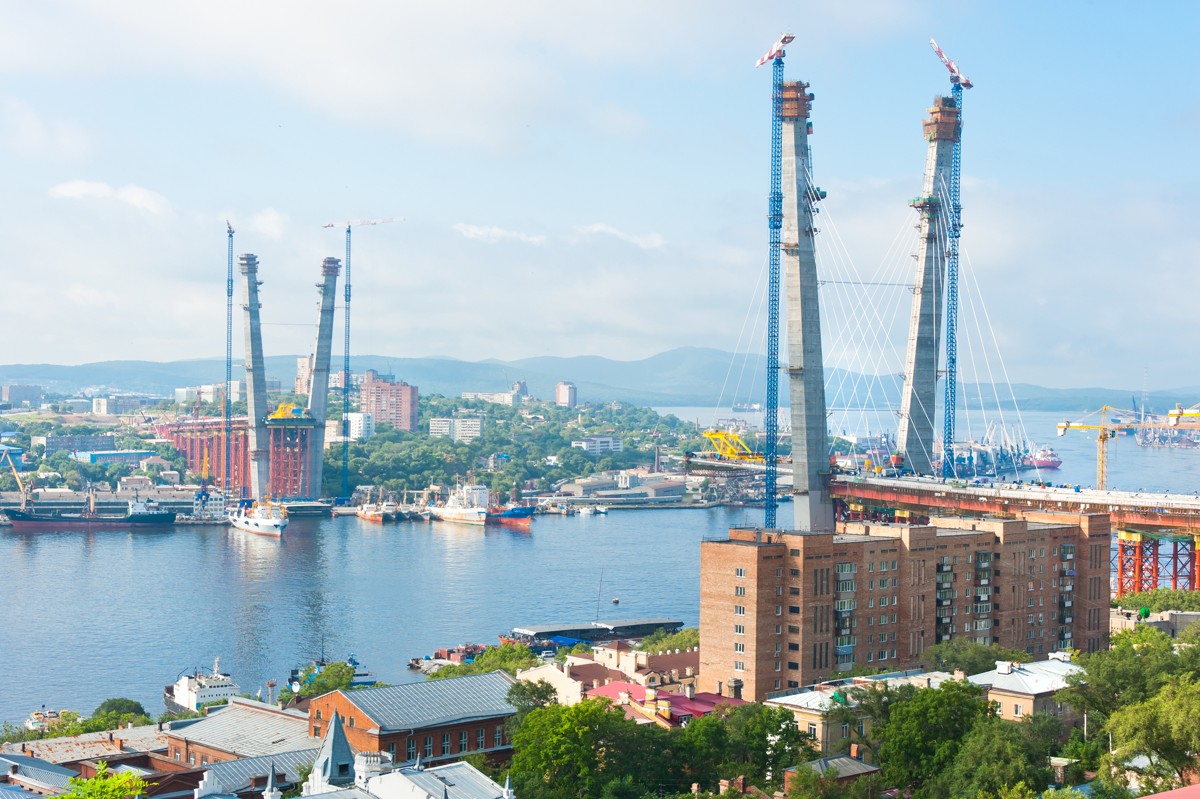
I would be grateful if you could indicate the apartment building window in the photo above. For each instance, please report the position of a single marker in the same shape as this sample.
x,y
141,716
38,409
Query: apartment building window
x,y
812,731
739,647
739,610
793,608
392,751
464,741
739,590
739,629
794,572
740,572
777,685
845,730
893,620
779,590
428,746
316,732
778,571
779,629
498,736
793,646
779,610
481,738
1018,711
445,743
192,758
739,665
846,568
411,749
883,618
318,710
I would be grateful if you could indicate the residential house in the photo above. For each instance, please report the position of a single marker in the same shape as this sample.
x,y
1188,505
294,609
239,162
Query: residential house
x,y
1024,688
651,706
69,749
848,769
33,774
653,669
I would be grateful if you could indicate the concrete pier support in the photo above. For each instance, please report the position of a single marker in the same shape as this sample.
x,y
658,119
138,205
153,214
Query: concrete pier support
x,y
318,385
812,504
919,397
256,379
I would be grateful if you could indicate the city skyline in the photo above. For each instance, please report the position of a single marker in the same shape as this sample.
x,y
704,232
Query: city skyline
x,y
581,181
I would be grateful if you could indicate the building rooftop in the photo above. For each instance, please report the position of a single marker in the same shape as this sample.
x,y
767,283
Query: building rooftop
x,y
846,766
248,728
451,781
68,749
1042,677
36,774
436,702
232,776
822,697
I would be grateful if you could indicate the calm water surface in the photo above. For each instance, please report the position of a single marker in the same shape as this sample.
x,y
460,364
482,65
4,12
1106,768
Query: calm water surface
x,y
94,615
89,616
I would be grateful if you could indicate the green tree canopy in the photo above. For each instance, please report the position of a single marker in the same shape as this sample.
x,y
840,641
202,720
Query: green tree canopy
x,y
1163,728
661,640
922,736
120,706
962,654
317,680
508,657
105,785
1132,670
996,754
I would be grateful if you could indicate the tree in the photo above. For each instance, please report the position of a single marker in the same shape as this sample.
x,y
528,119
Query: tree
x,y
1132,670
105,785
120,706
995,755
867,710
508,657
525,696
963,654
661,641
1162,728
316,680
763,742
922,736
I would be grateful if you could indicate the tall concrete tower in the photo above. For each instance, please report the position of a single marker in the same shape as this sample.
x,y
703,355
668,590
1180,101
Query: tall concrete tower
x,y
318,384
917,403
256,380
806,372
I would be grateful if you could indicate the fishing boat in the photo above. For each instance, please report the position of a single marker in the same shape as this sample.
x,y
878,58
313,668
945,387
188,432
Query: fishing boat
x,y
262,517
468,504
191,691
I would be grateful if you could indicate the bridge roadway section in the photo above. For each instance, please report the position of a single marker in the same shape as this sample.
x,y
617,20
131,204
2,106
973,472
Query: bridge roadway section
x,y
1177,514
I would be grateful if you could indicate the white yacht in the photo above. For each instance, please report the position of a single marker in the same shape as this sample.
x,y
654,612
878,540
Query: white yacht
x,y
262,518
468,505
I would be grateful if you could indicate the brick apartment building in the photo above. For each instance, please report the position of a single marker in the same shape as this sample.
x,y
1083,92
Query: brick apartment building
x,y
781,609
439,720
387,401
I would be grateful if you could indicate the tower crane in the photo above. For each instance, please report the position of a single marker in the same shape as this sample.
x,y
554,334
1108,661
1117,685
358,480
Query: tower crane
x,y
346,343
775,225
228,359
958,82
1105,431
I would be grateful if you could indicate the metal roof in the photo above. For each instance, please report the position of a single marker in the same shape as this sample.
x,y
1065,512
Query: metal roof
x,y
846,766
232,776
1033,679
436,702
453,781
248,729
39,772
147,738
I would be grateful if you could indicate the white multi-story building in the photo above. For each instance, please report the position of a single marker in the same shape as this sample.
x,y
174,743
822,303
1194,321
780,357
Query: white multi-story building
x,y
459,429
594,444
564,394
362,426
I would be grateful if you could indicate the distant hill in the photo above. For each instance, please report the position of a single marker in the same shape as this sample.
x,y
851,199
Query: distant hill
x,y
689,376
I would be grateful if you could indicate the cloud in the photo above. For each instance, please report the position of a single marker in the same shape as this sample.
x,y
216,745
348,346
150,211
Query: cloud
x,y
646,241
269,223
137,196
492,234
28,133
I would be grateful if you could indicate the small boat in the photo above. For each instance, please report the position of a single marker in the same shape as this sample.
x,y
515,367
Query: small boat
x,y
601,510
261,518
587,510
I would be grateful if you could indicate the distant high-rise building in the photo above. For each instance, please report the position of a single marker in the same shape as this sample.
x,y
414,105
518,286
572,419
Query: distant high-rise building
x,y
21,395
564,394
362,425
459,429
304,366
387,401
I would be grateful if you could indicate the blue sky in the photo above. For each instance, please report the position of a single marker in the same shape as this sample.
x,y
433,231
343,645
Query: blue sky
x,y
583,179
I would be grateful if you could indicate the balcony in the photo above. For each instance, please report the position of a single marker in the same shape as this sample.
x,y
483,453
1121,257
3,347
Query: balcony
x,y
1066,603
944,567
943,619
1068,556
844,650
1068,619
942,603
1065,572
1067,587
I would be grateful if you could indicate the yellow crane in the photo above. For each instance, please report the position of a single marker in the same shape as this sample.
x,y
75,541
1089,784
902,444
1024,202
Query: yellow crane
x,y
6,455
1183,417
1105,430
729,446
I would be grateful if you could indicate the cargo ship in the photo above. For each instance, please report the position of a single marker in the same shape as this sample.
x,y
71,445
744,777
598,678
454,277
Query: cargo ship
x,y
1041,458
191,691
590,632
140,514
260,518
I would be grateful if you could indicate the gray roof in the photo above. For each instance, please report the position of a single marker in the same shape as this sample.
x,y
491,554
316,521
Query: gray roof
x,y
231,776
846,766
453,780
1033,679
335,760
436,702
34,770
248,728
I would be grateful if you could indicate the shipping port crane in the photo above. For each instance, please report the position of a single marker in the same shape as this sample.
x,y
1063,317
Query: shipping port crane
x,y
6,456
228,359
346,349
775,225
958,82
1106,430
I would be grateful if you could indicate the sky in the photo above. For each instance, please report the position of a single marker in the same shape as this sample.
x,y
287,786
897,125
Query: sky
x,y
586,179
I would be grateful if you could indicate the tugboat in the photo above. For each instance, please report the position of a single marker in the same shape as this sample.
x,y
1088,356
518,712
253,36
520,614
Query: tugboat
x,y
261,518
